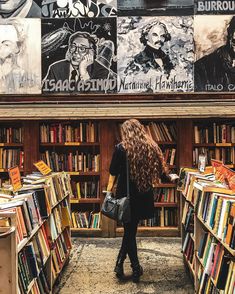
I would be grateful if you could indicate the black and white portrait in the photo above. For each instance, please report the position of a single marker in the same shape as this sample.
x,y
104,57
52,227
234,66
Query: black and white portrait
x,y
78,8
20,56
19,8
79,55
214,7
215,53
155,54
153,8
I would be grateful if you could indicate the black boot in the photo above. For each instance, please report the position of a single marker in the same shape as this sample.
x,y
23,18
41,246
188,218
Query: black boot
x,y
137,272
119,265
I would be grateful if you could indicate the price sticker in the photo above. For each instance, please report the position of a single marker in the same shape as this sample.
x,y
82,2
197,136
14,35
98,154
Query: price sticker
x,y
42,167
15,177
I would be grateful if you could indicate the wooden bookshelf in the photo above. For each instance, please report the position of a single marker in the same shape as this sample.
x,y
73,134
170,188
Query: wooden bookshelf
x,y
33,147
77,144
206,272
43,238
216,139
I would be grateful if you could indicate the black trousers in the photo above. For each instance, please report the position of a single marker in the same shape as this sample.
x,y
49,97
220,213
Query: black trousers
x,y
129,245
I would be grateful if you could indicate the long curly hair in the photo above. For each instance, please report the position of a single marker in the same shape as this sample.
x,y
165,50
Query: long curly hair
x,y
144,155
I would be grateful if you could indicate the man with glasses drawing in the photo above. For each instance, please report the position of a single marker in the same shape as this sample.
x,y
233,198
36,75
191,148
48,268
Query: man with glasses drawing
x,y
82,64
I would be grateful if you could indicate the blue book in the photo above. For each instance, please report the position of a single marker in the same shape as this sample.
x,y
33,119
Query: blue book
x,y
213,212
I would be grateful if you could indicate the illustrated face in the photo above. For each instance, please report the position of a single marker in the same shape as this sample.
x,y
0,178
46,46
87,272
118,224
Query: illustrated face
x,y
156,37
8,41
8,6
78,49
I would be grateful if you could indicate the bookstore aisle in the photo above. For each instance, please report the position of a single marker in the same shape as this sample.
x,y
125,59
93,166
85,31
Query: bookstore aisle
x,y
90,270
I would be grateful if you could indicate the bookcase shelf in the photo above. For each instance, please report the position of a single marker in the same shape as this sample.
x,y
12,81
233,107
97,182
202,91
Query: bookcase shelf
x,y
77,144
152,231
67,144
165,204
88,200
41,240
229,249
84,174
206,255
61,137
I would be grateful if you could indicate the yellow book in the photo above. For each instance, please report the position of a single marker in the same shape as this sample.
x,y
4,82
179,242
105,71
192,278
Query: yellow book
x,y
74,221
217,215
208,287
78,190
65,216
229,277
231,286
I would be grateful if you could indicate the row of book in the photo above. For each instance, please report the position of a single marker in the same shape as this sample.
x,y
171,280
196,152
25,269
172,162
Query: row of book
x,y
59,253
87,219
188,217
188,248
77,161
11,135
215,133
208,222
11,157
87,189
216,268
218,212
53,188
224,154
165,195
67,132
163,217
31,266
42,229
162,131
169,155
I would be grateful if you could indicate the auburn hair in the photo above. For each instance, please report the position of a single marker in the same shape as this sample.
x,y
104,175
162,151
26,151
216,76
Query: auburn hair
x,y
146,162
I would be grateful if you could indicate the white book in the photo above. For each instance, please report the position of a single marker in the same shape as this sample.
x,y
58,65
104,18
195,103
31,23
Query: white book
x,y
221,221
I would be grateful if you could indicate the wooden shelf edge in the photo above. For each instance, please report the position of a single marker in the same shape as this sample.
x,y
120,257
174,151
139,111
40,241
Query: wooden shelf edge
x,y
85,200
151,229
70,144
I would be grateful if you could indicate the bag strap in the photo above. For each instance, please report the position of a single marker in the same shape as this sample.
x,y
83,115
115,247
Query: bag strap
x,y
127,178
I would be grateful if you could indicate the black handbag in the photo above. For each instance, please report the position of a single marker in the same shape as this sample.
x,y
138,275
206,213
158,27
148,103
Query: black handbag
x,y
118,209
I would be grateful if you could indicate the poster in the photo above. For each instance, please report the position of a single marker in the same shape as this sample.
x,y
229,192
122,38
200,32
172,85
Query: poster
x,y
153,8
214,7
20,9
20,56
79,55
155,54
214,69
78,8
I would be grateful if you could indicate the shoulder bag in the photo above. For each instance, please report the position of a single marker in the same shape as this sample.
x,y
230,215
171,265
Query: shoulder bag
x,y
118,209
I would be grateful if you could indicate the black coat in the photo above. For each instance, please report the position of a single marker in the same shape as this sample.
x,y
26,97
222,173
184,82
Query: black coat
x,y
142,203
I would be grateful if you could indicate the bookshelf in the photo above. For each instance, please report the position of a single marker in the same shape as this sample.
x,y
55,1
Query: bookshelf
x,y
74,146
208,241
215,139
36,241
11,148
47,136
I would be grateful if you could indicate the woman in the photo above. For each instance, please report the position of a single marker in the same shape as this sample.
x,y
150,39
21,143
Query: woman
x,y
146,165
